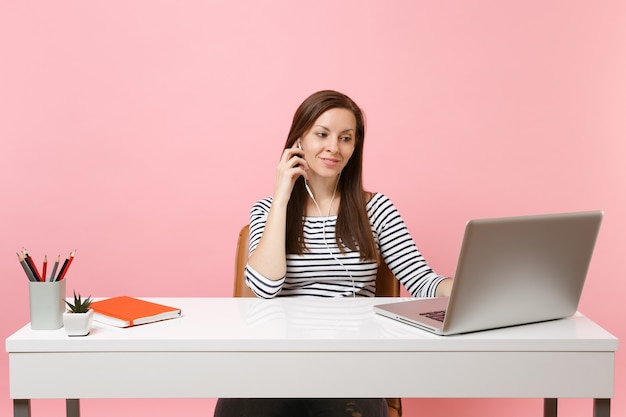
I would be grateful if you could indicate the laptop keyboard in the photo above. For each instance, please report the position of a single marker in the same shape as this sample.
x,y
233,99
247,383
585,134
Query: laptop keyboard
x,y
435,315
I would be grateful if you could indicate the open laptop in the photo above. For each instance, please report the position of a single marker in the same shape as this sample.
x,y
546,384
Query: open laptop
x,y
511,271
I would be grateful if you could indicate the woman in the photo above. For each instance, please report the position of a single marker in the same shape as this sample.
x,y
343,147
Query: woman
x,y
321,234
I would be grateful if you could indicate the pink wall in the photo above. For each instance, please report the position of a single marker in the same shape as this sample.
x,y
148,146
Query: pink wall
x,y
139,133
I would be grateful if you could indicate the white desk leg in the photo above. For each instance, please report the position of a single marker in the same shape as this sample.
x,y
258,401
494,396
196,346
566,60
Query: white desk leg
x,y
550,406
72,408
601,407
21,408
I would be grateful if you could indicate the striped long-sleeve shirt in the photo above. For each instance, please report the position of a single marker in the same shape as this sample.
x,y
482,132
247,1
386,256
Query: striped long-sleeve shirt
x,y
324,271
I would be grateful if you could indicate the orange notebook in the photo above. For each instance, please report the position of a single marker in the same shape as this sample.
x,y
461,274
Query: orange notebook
x,y
127,311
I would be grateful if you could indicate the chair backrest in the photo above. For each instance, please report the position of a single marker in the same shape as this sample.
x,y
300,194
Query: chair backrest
x,y
386,284
241,258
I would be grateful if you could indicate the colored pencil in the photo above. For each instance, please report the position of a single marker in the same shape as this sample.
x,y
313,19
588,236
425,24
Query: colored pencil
x,y
54,268
31,265
29,273
44,268
66,266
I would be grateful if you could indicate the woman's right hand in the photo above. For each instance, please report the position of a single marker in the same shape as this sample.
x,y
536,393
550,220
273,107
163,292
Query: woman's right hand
x,y
269,258
292,165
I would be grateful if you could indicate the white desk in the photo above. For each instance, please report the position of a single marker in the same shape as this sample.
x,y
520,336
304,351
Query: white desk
x,y
343,347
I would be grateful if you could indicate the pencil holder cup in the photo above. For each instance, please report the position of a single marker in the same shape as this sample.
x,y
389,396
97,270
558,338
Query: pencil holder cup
x,y
47,303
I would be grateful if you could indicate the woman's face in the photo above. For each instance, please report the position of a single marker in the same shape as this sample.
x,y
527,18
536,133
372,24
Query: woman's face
x,y
329,143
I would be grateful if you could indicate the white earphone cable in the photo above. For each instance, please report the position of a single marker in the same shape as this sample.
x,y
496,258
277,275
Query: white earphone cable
x,y
330,252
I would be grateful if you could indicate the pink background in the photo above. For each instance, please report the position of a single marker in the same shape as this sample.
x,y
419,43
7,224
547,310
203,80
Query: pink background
x,y
140,132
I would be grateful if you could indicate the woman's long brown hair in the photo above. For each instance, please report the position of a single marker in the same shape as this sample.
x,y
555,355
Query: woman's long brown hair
x,y
353,228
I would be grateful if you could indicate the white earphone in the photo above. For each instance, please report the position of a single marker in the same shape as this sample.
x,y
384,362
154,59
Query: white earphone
x,y
330,252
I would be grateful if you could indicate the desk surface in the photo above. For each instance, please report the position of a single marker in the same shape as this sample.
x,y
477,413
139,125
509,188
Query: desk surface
x,y
288,324
341,345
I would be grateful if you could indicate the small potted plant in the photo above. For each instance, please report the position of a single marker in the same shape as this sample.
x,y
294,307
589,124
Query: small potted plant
x,y
78,316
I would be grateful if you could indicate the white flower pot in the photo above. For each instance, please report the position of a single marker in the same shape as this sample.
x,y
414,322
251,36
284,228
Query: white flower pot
x,y
77,324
